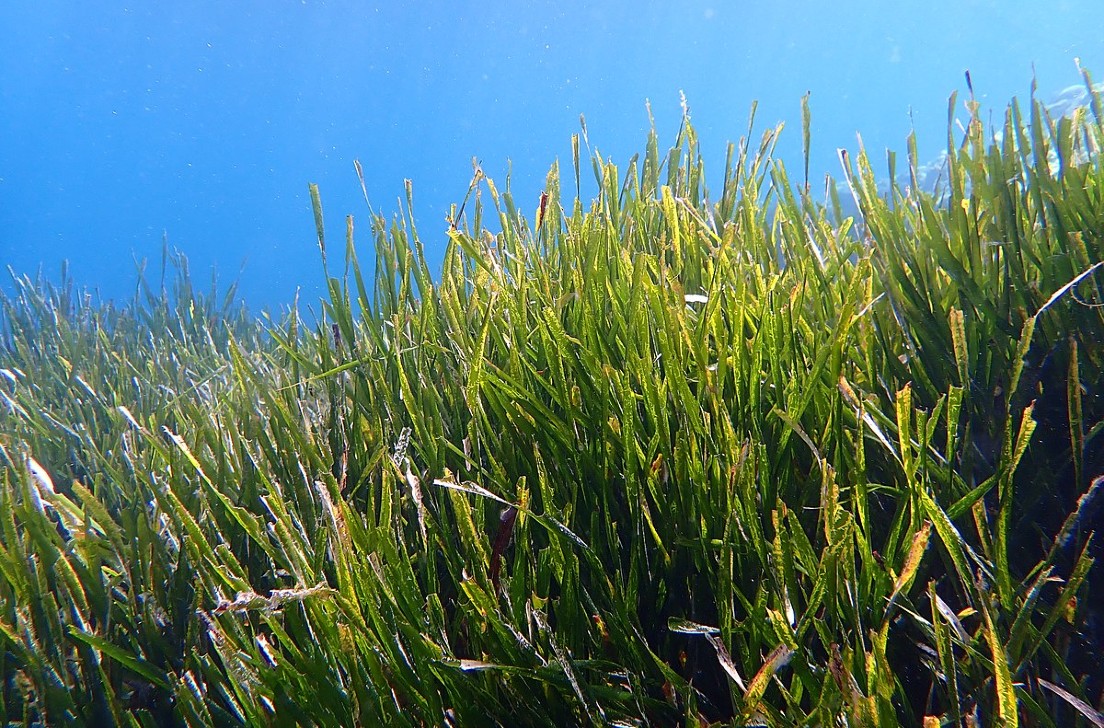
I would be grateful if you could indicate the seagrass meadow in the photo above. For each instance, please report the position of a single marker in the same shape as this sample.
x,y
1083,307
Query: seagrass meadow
x,y
666,457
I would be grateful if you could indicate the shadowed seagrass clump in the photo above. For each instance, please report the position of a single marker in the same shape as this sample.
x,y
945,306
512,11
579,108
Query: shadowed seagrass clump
x,y
661,458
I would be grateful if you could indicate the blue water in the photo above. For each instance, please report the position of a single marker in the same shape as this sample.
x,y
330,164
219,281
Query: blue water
x,y
123,123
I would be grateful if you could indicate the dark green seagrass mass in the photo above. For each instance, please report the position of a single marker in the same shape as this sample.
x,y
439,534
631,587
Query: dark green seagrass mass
x,y
670,456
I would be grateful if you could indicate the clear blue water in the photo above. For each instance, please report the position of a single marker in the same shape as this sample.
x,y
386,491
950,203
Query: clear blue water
x,y
205,121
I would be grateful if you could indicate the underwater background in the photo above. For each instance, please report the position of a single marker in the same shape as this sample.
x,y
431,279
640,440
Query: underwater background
x,y
124,125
